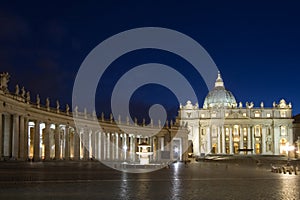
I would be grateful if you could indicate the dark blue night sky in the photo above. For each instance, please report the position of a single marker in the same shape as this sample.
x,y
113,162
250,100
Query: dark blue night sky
x,y
255,44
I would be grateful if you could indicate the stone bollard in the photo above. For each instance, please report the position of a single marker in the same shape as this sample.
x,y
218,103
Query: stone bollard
x,y
295,170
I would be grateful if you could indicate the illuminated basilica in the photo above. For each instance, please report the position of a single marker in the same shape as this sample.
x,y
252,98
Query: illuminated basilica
x,y
223,126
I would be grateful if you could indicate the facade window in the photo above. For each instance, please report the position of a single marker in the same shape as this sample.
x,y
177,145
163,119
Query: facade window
x,y
282,114
245,132
214,132
244,114
257,131
202,115
236,130
268,115
283,130
256,114
227,132
213,115
226,114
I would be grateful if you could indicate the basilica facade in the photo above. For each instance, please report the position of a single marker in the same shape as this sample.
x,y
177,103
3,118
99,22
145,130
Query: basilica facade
x,y
223,126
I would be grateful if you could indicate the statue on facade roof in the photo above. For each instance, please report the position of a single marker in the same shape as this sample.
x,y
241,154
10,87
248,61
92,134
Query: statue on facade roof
x,y
85,112
262,104
76,111
48,103
17,90
67,109
4,79
119,119
274,104
102,116
127,120
144,122
38,101
28,97
57,106
241,105
94,114
23,92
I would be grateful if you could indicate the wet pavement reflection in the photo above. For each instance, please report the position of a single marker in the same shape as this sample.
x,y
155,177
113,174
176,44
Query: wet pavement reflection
x,y
91,180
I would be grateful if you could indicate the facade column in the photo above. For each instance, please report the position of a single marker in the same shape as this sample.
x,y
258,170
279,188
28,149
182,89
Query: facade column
x,y
263,140
1,137
36,147
241,139
67,142
57,142
230,141
47,141
77,144
249,138
208,136
276,139
223,141
253,139
219,140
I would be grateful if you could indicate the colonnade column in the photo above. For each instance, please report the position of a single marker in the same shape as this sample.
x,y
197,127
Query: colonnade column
x,y
117,146
223,141
15,137
67,142
1,137
25,154
77,144
133,147
86,144
36,147
6,137
56,141
107,146
47,141
22,138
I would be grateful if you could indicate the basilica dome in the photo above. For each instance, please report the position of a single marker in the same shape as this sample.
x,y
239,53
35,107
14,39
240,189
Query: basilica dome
x,y
219,96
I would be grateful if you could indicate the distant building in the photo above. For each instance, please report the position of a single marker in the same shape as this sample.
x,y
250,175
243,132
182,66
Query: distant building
x,y
223,126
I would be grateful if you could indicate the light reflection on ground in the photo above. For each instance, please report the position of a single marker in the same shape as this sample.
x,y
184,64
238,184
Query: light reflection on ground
x,y
90,180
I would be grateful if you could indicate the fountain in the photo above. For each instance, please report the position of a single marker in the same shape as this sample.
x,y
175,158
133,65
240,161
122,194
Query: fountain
x,y
144,153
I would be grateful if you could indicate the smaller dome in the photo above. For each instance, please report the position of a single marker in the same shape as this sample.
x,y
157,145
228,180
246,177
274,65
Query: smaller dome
x,y
219,96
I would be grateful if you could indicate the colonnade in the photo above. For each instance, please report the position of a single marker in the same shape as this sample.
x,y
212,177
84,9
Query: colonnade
x,y
23,137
